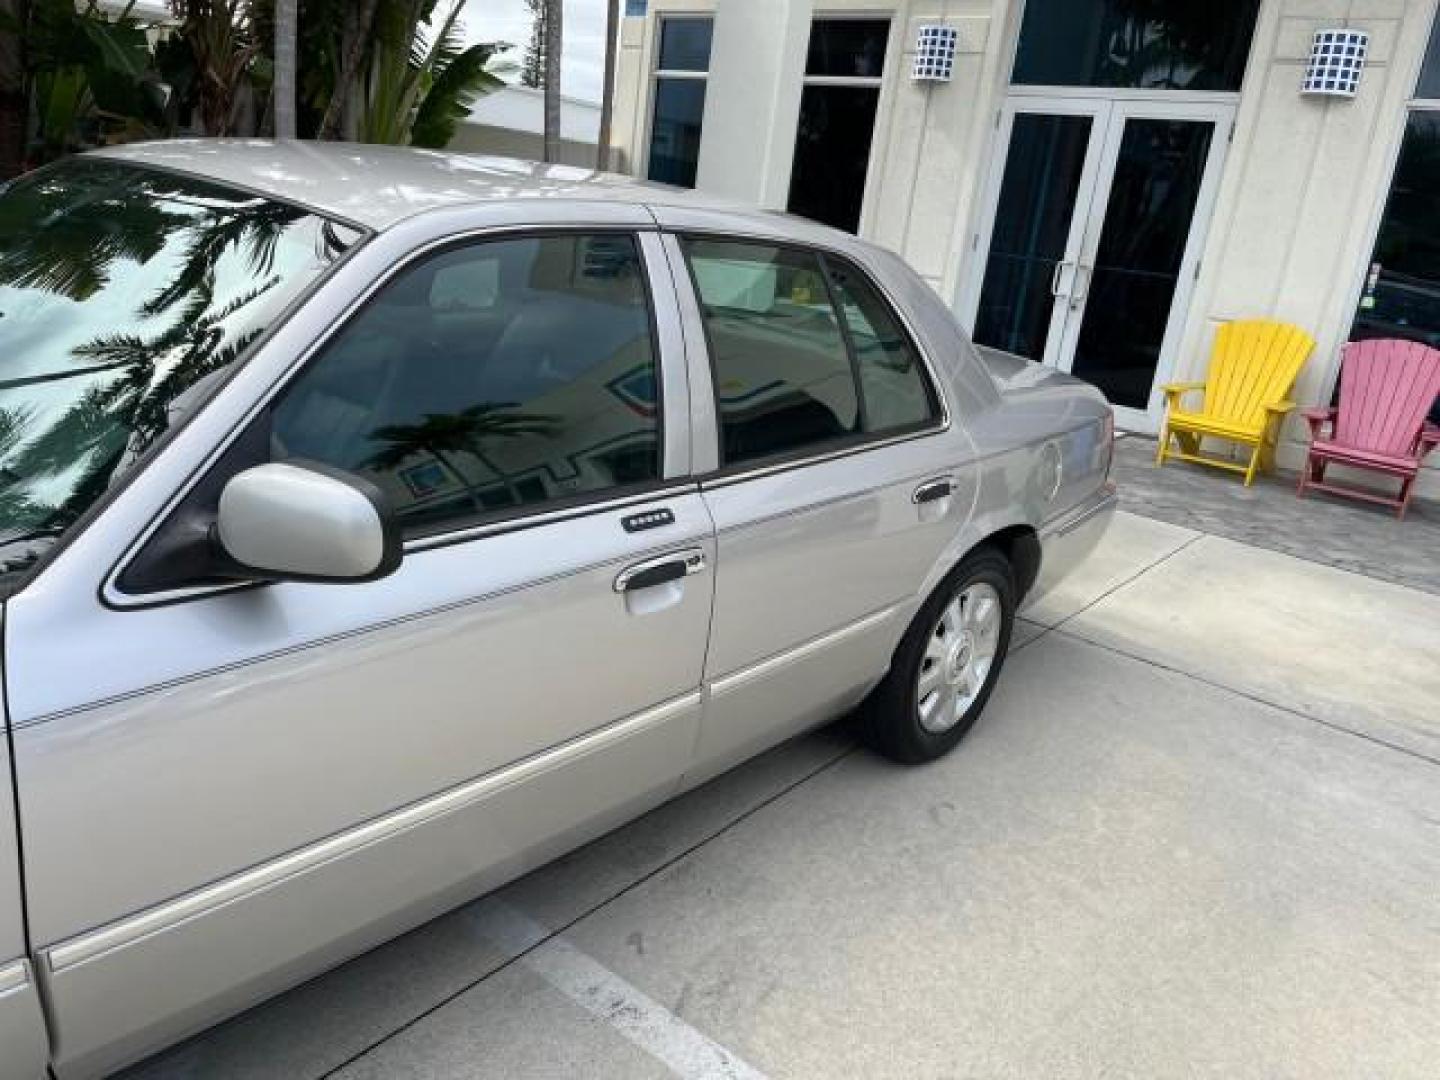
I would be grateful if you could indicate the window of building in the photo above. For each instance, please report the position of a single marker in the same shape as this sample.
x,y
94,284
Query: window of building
x,y
838,103
1119,43
491,377
1430,74
790,374
682,65
635,9
851,48
1401,295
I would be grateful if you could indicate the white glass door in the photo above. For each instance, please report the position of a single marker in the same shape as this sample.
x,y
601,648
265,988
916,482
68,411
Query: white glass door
x,y
1039,190
1094,230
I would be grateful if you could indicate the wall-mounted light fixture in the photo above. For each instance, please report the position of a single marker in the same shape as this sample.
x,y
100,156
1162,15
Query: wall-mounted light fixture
x,y
1336,61
935,54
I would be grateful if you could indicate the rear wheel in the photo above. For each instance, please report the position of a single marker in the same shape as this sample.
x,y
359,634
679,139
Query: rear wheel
x,y
947,663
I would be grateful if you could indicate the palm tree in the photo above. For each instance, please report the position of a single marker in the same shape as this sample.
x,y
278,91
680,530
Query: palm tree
x,y
443,435
532,67
554,43
221,39
421,79
287,29
607,92
340,115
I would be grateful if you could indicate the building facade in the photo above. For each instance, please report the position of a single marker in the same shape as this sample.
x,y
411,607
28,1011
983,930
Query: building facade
x,y
1097,184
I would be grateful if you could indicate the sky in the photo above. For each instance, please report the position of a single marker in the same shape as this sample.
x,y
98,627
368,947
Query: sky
x,y
583,66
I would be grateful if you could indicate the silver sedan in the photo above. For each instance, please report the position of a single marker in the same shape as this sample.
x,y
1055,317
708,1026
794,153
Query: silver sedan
x,y
377,524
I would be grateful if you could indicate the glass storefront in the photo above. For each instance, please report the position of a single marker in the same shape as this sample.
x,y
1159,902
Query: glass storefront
x,y
1401,296
1093,227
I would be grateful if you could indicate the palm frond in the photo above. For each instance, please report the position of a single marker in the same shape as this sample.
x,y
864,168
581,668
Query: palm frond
x,y
461,80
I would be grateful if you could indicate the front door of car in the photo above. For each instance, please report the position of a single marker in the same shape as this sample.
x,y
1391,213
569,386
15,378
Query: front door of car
x,y
837,490
223,788
22,1024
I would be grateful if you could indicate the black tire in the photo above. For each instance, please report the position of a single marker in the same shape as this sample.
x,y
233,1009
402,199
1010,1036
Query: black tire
x,y
890,716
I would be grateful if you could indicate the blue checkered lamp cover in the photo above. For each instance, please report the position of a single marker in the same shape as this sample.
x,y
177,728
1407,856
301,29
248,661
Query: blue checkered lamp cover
x,y
935,54
1336,61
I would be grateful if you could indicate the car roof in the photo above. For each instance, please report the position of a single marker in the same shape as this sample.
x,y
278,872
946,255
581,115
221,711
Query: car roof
x,y
377,186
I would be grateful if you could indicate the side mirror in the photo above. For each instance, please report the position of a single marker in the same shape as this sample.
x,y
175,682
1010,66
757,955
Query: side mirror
x,y
301,521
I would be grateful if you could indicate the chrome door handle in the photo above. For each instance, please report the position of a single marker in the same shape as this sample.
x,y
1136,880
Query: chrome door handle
x,y
660,570
1076,299
1055,276
932,491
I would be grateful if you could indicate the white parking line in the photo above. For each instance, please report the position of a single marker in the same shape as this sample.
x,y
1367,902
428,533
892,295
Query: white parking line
x,y
603,994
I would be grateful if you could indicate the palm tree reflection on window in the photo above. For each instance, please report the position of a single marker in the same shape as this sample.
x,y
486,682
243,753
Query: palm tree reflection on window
x,y
445,436
120,290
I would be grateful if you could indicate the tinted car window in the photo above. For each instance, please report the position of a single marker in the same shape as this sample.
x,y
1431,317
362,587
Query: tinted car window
x,y
783,377
493,377
892,377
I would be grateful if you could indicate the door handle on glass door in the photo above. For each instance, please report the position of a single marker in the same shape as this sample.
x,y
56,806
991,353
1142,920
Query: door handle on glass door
x,y
1055,276
660,570
1078,298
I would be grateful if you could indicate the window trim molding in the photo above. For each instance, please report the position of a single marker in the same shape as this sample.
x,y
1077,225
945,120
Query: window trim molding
x,y
832,449
858,81
112,596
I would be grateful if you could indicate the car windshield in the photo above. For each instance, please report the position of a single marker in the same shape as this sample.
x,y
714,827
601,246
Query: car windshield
x,y
124,292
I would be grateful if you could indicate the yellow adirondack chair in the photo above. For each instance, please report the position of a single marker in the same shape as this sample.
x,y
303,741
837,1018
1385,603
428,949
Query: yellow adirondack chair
x,y
1252,368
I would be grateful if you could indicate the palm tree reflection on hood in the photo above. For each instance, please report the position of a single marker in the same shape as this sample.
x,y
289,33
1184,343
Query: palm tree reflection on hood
x,y
444,435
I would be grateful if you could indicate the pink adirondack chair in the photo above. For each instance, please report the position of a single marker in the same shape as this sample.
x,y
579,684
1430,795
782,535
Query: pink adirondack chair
x,y
1386,390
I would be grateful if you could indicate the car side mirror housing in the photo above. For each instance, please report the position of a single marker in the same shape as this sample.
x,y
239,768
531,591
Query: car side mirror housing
x,y
302,521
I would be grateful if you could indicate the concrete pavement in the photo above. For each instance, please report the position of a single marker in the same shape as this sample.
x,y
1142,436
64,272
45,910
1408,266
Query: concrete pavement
x,y
1197,832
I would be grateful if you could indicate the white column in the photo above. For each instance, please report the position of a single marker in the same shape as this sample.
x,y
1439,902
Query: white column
x,y
752,102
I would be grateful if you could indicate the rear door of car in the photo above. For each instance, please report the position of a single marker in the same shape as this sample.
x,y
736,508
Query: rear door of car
x,y
835,488
223,789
